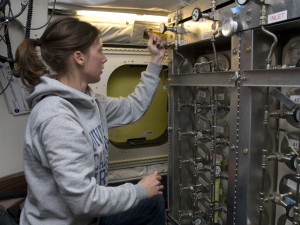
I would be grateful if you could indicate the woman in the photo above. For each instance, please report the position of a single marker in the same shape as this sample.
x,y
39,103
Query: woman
x,y
66,140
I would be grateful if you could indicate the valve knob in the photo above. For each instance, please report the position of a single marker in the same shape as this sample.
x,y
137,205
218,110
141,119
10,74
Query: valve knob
x,y
196,14
290,211
162,28
243,2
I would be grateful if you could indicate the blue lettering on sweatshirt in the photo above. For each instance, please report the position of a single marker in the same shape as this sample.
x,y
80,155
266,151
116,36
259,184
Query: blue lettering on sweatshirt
x,y
100,148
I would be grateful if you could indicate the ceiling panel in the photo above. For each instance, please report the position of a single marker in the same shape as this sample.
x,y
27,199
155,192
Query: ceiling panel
x,y
154,7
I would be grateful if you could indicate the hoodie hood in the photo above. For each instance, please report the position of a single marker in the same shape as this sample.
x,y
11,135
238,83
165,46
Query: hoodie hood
x,y
52,87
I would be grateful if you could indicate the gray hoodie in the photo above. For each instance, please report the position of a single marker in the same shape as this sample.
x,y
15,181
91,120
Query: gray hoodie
x,y
66,152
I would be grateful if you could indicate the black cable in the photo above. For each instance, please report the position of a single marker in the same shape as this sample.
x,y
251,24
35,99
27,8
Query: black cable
x,y
8,43
12,18
8,46
5,37
2,36
11,77
10,12
7,19
3,4
5,59
9,53
29,19
51,15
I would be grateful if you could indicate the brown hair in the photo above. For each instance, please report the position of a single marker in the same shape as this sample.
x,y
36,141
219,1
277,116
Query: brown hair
x,y
61,38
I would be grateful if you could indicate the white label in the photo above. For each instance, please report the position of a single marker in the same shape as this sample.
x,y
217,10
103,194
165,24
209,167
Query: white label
x,y
220,97
201,152
202,94
276,17
202,207
288,222
220,129
294,143
219,158
295,98
203,124
295,52
291,184
199,195
202,181
199,166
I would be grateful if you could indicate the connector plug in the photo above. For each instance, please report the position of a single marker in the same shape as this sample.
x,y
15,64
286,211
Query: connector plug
x,y
24,2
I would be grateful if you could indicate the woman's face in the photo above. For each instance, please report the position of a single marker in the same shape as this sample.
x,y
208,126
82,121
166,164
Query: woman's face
x,y
94,65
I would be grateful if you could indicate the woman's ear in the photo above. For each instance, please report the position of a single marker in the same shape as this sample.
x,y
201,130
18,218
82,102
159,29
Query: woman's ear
x,y
79,58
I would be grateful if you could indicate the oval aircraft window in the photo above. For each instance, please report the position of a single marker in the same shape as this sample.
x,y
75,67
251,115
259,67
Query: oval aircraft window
x,y
151,128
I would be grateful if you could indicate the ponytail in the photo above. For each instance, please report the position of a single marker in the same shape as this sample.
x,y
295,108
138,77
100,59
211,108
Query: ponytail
x,y
28,64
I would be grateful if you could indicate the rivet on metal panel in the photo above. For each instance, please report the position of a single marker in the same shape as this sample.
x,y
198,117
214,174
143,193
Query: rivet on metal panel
x,y
248,49
234,51
245,151
234,77
248,21
243,78
249,11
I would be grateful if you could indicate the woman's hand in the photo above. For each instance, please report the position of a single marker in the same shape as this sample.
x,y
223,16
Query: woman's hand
x,y
152,184
156,47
